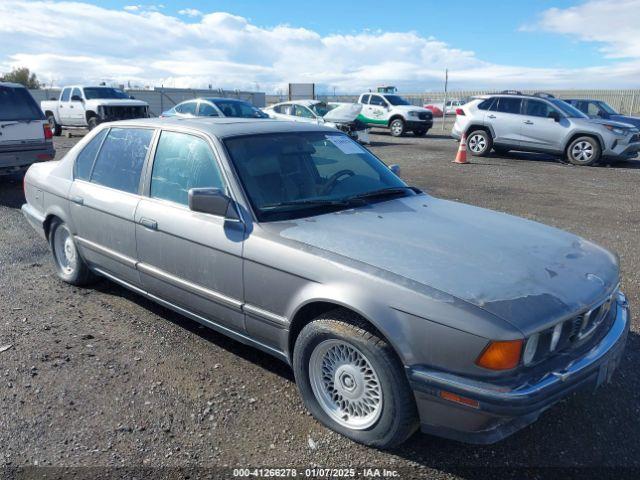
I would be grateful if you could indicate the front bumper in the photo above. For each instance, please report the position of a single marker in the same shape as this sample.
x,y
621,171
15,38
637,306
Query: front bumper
x,y
621,149
503,410
411,125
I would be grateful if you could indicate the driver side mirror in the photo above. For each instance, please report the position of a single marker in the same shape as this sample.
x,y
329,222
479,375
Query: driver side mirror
x,y
212,201
555,116
395,168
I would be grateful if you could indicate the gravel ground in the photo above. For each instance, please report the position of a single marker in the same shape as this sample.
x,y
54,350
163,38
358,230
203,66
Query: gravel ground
x,y
102,377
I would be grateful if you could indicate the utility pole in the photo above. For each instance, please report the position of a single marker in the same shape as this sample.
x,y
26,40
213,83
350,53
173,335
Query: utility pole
x,y
444,103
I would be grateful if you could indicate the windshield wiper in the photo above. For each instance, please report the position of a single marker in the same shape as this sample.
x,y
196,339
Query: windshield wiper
x,y
305,202
383,192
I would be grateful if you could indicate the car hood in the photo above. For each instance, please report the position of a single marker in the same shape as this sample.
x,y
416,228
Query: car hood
x,y
524,272
635,121
344,113
409,108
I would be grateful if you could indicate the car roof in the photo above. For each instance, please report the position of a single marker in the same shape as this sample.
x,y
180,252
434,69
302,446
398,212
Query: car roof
x,y
223,127
214,99
11,85
306,103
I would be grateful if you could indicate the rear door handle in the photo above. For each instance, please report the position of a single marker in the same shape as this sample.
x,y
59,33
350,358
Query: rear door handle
x,y
148,223
528,122
77,200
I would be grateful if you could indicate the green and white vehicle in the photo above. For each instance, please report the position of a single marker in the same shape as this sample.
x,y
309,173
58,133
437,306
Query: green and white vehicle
x,y
389,110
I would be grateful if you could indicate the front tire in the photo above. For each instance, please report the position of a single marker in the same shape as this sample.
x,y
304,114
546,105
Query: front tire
x,y
70,266
584,151
479,143
351,381
397,127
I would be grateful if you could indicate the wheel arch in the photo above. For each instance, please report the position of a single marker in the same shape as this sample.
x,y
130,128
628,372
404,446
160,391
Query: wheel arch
x,y
51,215
396,116
595,136
311,309
478,126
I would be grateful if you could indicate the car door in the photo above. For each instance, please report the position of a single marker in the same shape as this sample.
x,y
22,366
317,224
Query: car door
x,y
76,108
377,111
104,196
190,259
64,110
505,120
540,130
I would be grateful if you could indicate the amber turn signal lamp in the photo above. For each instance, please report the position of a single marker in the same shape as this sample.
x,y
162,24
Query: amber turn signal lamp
x,y
501,355
452,397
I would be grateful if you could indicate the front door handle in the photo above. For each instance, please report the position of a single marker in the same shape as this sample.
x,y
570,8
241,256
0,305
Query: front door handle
x,y
491,116
77,200
148,223
528,122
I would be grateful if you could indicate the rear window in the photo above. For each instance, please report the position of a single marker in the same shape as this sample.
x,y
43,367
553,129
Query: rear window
x,y
119,163
486,104
18,104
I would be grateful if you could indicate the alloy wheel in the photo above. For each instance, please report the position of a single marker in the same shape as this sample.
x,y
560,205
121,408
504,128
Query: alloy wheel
x,y
345,384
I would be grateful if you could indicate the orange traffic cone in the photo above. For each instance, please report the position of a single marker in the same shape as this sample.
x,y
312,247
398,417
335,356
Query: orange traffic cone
x,y
461,156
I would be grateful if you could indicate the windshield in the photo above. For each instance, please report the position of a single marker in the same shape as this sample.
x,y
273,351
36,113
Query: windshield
x,y
569,110
607,108
18,104
92,93
292,175
239,109
321,109
396,100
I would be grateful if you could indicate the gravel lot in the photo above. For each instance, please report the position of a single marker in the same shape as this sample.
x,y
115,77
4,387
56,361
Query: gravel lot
x,y
102,377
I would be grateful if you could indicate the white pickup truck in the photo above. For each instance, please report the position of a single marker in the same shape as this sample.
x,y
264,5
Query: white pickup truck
x,y
80,106
391,111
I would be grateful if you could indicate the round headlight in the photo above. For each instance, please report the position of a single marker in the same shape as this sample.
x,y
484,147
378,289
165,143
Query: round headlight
x,y
530,349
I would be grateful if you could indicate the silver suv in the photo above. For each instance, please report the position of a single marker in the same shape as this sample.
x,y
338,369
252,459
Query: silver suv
x,y
542,123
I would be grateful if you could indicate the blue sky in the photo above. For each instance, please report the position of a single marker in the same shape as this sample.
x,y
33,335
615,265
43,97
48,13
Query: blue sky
x,y
346,45
484,27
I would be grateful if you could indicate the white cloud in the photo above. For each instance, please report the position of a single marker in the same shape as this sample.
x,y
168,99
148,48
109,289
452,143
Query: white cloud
x,y
145,46
614,24
190,12
133,8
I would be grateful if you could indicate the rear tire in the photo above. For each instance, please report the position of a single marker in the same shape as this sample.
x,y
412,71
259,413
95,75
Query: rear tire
x,y
55,128
479,143
397,127
584,151
351,381
70,266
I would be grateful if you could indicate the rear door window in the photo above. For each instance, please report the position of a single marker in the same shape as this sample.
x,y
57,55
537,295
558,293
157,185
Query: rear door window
x,y
507,105
121,158
18,104
207,110
183,162
187,108
85,159
365,99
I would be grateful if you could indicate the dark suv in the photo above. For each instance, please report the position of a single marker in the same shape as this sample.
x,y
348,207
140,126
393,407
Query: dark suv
x,y
601,109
